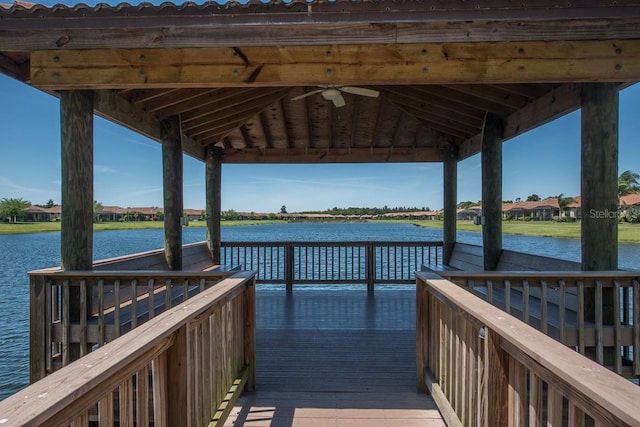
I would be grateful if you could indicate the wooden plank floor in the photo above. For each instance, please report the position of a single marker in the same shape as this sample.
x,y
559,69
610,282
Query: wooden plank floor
x,y
335,358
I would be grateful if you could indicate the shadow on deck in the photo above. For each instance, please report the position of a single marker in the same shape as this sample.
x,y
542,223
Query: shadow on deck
x,y
343,357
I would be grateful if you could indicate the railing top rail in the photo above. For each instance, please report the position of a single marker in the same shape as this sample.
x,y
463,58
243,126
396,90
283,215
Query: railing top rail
x,y
118,274
598,390
567,275
334,243
84,381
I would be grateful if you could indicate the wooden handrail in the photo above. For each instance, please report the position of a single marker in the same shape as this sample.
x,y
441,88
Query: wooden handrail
x,y
555,303
170,358
484,367
113,302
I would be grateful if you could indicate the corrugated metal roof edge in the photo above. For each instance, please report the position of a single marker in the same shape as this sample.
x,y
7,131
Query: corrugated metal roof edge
x,y
36,10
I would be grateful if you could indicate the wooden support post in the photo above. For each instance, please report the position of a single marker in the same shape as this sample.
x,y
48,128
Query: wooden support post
x,y
450,179
371,267
599,177
494,410
289,266
173,192
250,333
599,191
76,127
492,190
178,387
38,324
214,201
423,340
76,237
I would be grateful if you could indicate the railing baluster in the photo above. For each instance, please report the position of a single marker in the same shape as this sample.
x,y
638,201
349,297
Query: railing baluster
x,y
562,312
83,316
65,322
151,296
167,293
116,309
544,306
507,296
134,303
525,301
636,328
101,335
599,322
617,339
580,286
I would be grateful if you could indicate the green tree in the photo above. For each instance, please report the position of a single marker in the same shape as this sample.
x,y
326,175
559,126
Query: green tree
x,y
13,208
466,204
283,209
563,202
533,198
97,210
628,183
50,204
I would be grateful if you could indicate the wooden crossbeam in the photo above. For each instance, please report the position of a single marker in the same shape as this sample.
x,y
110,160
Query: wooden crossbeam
x,y
333,155
431,63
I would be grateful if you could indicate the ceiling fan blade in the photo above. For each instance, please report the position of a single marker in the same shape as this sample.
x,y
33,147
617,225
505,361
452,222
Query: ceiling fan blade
x,y
304,95
360,91
338,101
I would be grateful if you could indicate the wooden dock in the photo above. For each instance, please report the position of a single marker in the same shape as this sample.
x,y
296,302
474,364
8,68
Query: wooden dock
x,y
335,358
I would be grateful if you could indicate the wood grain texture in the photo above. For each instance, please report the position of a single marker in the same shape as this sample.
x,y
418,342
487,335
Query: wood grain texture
x,y
492,137
419,63
172,178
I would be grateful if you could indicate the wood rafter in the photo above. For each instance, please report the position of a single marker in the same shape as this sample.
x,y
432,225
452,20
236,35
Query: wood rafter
x,y
333,155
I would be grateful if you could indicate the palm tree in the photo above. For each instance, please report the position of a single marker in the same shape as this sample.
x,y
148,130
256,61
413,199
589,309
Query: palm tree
x,y
628,183
563,202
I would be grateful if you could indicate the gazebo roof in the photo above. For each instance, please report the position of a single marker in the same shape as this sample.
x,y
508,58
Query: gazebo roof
x,y
230,72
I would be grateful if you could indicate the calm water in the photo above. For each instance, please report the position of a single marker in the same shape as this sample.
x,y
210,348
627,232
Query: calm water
x,y
22,253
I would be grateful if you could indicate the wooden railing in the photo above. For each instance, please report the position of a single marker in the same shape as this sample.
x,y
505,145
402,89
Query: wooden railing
x,y
184,367
113,302
486,368
555,304
332,262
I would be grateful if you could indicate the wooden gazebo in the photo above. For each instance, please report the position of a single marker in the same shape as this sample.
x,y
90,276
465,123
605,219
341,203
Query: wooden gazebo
x,y
218,82
321,82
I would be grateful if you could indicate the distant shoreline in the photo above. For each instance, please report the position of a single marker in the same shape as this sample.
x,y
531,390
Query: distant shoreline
x,y
627,233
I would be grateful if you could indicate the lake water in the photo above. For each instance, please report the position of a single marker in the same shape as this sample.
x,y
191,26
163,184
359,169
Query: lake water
x,y
26,252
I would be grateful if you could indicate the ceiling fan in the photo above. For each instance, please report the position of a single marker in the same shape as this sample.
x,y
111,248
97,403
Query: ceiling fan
x,y
333,93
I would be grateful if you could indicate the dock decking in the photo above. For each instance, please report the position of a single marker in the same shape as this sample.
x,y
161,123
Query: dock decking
x,y
335,358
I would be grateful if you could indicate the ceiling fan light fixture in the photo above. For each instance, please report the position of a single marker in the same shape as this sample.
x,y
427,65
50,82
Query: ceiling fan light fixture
x,y
331,94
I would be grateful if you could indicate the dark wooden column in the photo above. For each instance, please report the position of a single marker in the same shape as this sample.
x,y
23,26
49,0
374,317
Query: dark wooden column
x,y
214,201
76,127
450,179
599,176
599,191
492,190
173,192
76,237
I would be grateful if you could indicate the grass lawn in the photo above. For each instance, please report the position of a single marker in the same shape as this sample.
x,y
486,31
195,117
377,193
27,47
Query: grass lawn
x,y
626,232
39,227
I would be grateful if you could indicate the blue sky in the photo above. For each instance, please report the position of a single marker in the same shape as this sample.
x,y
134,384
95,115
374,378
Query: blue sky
x,y
128,167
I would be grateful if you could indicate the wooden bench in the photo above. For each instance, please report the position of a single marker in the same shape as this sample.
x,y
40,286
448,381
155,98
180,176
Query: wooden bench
x,y
195,257
463,257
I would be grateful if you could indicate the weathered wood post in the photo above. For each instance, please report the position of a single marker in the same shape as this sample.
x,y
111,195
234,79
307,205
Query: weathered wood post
x,y
599,191
213,189
173,192
450,180
76,237
492,136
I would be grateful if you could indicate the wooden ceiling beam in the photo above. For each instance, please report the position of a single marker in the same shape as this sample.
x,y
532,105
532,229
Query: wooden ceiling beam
x,y
557,102
460,98
203,99
424,63
109,105
334,155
